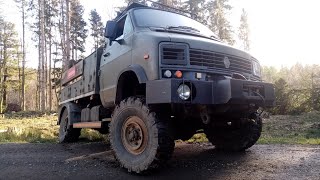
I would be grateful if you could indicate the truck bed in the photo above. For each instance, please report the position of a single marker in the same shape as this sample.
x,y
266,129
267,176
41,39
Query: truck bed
x,y
81,80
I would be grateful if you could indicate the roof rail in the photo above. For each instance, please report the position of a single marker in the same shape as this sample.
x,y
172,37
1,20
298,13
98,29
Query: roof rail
x,y
155,5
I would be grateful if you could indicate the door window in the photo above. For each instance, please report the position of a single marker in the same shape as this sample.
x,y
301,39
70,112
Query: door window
x,y
124,27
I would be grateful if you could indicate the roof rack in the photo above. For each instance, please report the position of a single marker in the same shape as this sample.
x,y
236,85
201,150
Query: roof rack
x,y
155,5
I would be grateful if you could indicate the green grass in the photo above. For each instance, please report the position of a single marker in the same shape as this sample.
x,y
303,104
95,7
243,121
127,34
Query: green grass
x,y
36,128
199,137
28,129
285,129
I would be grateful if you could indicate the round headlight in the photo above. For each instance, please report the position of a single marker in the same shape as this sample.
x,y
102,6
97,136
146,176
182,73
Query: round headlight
x,y
167,74
184,92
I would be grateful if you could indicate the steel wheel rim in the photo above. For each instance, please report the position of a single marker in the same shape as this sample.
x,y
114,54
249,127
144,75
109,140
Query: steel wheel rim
x,y
134,135
64,128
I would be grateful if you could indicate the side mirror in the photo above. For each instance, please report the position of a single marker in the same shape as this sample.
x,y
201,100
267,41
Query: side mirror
x,y
110,30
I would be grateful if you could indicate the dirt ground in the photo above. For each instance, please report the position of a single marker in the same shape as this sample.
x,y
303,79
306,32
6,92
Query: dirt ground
x,y
88,160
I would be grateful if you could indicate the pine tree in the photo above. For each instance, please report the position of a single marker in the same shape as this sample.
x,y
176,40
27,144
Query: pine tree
x,y
196,8
97,28
8,57
244,31
51,17
218,21
177,4
22,4
78,31
282,96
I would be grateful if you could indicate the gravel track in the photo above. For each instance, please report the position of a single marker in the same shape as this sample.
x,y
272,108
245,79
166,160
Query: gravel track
x,y
94,160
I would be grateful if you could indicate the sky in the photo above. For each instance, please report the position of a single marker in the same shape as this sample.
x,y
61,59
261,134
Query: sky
x,y
282,32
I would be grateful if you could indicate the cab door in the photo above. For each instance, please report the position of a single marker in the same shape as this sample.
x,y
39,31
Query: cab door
x,y
116,57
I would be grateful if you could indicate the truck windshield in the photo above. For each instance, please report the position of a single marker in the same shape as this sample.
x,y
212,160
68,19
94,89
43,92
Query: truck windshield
x,y
169,20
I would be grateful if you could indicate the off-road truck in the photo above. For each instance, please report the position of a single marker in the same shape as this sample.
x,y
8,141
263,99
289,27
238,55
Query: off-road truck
x,y
162,76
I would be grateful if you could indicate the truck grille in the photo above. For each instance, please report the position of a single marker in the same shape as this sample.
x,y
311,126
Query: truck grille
x,y
214,60
173,54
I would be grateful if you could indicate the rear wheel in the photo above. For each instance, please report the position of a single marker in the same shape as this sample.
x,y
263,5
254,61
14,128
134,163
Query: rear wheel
x,y
236,138
139,139
66,132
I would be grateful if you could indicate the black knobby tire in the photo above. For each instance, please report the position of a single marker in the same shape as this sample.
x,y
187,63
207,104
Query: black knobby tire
x,y
156,145
67,134
235,139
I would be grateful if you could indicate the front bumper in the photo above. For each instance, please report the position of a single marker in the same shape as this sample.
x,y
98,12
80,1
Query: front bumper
x,y
227,91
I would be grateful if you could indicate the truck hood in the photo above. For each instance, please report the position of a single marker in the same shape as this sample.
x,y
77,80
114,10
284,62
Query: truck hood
x,y
202,43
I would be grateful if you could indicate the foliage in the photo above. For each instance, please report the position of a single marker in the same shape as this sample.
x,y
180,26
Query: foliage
x,y
218,21
297,89
196,7
9,62
78,31
244,31
97,28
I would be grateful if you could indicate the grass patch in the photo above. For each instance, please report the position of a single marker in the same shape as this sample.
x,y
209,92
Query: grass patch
x,y
92,135
36,127
285,129
31,129
199,137
41,128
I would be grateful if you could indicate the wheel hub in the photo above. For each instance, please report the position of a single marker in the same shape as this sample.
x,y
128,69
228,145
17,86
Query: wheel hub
x,y
134,135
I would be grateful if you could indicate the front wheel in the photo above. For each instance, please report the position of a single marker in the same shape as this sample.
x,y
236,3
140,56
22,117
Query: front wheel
x,y
138,138
236,138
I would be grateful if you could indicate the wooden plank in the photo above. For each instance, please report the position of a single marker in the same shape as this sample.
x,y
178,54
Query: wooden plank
x,y
95,125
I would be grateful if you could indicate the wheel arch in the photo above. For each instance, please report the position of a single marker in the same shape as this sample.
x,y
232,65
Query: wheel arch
x,y
139,72
133,76
74,112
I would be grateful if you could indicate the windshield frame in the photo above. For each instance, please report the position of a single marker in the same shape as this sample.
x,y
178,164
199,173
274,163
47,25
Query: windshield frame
x,y
134,19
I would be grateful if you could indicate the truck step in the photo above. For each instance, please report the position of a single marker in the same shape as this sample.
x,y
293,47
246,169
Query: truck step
x,y
94,125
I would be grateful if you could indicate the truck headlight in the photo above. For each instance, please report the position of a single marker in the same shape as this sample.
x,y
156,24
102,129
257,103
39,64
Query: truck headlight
x,y
256,68
184,92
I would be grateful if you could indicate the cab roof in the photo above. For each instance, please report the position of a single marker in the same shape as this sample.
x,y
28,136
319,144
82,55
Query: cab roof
x,y
133,5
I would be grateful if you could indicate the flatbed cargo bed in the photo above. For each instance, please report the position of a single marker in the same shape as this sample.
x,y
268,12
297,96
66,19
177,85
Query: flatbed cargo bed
x,y
81,80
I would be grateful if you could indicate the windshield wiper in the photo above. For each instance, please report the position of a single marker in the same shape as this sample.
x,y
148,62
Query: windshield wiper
x,y
185,32
183,27
215,38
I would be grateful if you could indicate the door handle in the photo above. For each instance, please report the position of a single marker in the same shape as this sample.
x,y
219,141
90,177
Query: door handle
x,y
106,54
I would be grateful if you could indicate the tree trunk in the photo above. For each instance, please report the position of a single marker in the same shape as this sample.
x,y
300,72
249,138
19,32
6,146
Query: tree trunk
x,y
4,78
42,48
4,101
67,34
45,69
23,106
50,58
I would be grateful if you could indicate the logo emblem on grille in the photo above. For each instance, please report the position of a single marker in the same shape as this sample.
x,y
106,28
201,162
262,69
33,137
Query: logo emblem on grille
x,y
226,62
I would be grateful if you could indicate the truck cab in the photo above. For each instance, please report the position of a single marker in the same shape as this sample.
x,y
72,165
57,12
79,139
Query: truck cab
x,y
162,76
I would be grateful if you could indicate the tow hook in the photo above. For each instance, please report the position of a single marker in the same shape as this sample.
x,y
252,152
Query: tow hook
x,y
205,117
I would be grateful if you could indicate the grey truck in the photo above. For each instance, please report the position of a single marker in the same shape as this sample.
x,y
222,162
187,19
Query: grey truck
x,y
162,76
